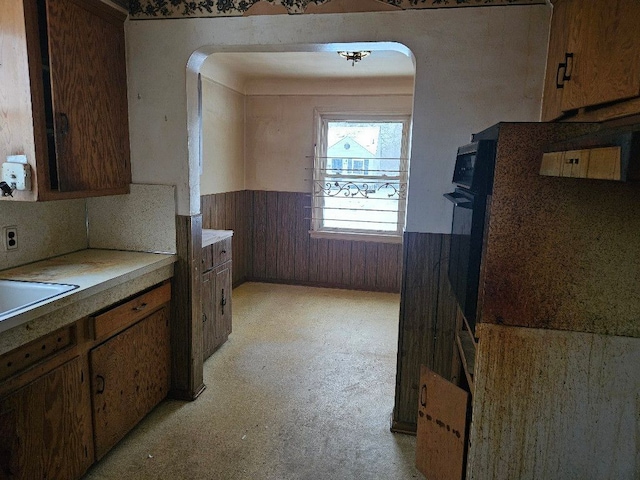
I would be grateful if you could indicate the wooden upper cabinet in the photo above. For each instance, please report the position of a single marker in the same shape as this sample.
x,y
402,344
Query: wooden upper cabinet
x,y
558,38
88,80
592,60
66,97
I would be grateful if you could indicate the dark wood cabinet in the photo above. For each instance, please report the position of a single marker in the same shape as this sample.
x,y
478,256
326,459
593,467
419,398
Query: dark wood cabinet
x,y
45,426
68,397
216,295
66,81
593,69
130,372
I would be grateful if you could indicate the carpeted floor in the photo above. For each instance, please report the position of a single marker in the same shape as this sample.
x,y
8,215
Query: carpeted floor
x,y
302,390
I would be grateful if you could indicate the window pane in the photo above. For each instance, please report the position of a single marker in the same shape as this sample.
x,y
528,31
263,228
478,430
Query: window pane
x,y
364,189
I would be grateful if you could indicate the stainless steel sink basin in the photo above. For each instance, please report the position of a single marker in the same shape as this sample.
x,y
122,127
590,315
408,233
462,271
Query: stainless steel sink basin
x,y
16,295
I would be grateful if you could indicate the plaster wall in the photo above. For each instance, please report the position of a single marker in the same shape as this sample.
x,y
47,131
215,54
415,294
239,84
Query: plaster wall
x,y
223,132
474,67
280,134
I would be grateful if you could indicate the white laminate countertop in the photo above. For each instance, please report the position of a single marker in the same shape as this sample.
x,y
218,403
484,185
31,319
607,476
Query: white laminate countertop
x,y
210,237
112,273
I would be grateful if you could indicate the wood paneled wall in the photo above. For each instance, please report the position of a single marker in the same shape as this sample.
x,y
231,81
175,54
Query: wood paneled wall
x,y
427,322
186,311
271,243
232,211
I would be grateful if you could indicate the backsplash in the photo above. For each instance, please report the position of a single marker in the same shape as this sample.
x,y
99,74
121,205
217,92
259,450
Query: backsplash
x,y
144,220
45,229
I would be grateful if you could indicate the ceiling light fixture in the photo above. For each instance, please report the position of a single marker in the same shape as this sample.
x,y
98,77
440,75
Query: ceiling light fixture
x,y
354,57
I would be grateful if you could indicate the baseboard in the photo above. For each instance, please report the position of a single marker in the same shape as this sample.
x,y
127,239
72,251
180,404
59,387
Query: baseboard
x,y
186,395
319,285
404,428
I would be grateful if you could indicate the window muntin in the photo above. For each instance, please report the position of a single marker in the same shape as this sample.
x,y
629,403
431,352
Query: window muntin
x,y
360,174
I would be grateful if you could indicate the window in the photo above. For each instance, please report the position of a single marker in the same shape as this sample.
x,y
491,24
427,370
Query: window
x,y
360,175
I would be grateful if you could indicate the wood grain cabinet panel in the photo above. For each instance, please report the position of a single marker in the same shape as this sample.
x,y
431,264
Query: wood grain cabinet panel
x,y
216,307
64,82
558,38
88,80
120,317
604,41
130,374
45,427
223,302
592,58
595,163
208,314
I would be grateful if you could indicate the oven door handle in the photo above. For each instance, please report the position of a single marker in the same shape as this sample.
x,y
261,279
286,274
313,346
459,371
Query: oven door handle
x,y
458,201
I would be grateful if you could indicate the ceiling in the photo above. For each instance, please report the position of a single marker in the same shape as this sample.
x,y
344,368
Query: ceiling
x,y
318,64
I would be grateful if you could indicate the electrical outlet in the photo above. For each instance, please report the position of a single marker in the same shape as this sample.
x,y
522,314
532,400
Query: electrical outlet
x,y
10,238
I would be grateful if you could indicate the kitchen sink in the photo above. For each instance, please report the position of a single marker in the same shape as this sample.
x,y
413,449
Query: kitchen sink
x,y
16,295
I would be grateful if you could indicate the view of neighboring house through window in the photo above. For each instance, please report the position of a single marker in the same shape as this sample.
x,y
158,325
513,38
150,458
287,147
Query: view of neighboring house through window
x,y
360,174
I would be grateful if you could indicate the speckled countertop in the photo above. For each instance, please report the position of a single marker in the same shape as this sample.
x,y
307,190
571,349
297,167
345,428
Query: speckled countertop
x,y
103,277
210,237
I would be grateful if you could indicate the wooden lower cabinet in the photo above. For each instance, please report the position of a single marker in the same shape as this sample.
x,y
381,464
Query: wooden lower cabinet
x,y
216,307
68,397
129,376
45,427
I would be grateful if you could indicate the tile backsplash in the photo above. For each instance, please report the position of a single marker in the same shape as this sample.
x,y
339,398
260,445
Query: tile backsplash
x,y
45,229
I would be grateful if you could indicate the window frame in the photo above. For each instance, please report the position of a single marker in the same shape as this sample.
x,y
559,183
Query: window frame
x,y
321,164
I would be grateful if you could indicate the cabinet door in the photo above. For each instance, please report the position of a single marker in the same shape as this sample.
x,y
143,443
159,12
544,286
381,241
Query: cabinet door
x,y
604,40
130,375
597,163
45,427
208,314
222,326
216,308
88,82
558,40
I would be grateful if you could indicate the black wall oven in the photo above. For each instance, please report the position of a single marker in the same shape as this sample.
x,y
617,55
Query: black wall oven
x,y
473,175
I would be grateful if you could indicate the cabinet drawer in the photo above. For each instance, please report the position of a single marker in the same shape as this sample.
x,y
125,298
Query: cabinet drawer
x,y
20,359
216,254
130,312
596,163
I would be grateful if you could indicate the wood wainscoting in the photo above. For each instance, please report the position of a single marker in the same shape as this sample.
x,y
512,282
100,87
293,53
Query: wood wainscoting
x,y
186,311
426,334
271,243
232,211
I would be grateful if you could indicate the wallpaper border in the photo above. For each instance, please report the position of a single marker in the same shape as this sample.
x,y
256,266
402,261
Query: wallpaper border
x,y
150,9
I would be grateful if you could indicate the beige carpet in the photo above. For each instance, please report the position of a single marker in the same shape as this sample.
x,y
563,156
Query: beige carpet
x,y
303,389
